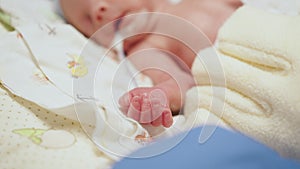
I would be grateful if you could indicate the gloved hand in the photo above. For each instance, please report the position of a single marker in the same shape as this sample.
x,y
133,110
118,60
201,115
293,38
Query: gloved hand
x,y
260,55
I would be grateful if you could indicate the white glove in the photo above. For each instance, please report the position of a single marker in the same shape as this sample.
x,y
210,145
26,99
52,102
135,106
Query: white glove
x,y
260,54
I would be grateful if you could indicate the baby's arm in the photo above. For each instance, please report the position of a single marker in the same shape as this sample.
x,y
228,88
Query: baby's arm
x,y
155,104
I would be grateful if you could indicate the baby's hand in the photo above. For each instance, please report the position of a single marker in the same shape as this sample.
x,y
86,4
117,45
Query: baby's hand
x,y
147,105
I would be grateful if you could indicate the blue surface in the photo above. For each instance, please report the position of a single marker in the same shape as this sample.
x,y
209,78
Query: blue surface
x,y
224,150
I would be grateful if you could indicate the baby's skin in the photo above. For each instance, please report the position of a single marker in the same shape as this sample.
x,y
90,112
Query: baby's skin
x,y
147,105
153,105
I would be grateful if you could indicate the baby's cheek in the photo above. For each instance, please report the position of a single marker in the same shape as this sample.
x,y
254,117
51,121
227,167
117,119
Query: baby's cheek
x,y
104,38
105,41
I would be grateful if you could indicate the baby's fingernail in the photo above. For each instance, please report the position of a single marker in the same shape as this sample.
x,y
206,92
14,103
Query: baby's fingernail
x,y
145,112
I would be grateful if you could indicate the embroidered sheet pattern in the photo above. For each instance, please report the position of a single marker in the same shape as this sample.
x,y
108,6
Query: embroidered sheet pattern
x,y
39,62
33,137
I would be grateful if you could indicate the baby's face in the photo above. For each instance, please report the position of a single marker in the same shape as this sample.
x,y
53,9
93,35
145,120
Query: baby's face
x,y
90,15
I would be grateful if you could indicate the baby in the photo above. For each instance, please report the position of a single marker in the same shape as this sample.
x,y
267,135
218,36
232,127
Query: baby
x,y
153,105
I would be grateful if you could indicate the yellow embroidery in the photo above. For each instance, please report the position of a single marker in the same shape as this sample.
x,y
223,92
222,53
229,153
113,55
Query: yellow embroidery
x,y
48,138
5,20
77,66
33,134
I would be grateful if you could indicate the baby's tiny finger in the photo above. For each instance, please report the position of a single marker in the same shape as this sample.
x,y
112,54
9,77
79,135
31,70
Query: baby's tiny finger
x,y
124,102
159,94
135,108
145,116
156,109
157,122
167,118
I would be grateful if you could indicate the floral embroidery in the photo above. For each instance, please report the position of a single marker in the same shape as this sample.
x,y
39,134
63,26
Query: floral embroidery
x,y
77,66
51,31
5,20
48,138
38,76
143,139
33,134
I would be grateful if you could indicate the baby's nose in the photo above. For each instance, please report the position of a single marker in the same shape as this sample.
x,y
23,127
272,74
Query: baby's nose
x,y
99,12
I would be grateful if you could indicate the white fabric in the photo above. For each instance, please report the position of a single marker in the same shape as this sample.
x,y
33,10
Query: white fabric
x,y
260,58
33,11
34,138
288,7
47,81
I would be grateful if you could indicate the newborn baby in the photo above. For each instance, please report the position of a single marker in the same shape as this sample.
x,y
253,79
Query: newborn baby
x,y
153,105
